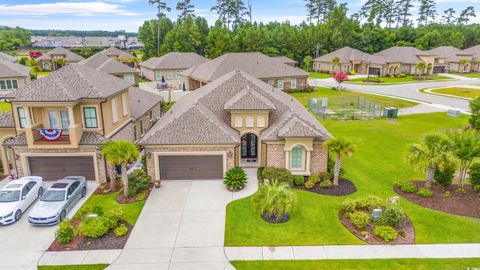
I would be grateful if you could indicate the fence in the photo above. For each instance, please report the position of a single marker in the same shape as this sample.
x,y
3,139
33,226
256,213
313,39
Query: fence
x,y
345,108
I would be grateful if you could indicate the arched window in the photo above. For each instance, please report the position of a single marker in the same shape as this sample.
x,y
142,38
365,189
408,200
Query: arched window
x,y
297,159
238,122
249,122
391,71
261,122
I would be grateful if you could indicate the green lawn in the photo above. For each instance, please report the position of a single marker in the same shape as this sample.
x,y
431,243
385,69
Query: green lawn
x,y
470,75
316,75
459,91
386,81
385,264
378,163
5,106
75,267
131,211
322,92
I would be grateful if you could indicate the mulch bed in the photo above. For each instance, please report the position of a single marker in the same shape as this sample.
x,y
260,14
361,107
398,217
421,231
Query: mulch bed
x,y
458,203
105,188
406,237
345,187
269,219
108,241
121,199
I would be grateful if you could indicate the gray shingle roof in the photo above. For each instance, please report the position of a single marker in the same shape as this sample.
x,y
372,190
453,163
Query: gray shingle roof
x,y
449,53
11,69
345,54
285,60
142,101
103,63
71,83
69,56
407,55
297,128
115,52
174,60
248,99
8,57
255,63
475,51
200,117
6,119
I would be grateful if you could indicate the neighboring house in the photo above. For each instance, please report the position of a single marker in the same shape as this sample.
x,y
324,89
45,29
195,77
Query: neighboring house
x,y
50,61
7,131
12,75
475,52
110,65
8,57
286,60
449,58
350,60
168,67
265,68
62,119
121,56
404,60
236,120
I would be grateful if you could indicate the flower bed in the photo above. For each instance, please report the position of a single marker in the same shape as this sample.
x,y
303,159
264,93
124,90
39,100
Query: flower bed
x,y
345,187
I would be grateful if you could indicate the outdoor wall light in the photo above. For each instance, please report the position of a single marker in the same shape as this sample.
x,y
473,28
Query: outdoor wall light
x,y
230,154
16,156
149,154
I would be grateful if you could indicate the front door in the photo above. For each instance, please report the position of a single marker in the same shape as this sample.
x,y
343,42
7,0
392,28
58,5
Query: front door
x,y
249,146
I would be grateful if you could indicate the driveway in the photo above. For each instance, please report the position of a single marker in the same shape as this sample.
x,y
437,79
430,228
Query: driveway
x,y
182,226
22,244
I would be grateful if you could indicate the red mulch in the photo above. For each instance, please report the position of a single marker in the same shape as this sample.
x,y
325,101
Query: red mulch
x,y
345,187
458,203
406,234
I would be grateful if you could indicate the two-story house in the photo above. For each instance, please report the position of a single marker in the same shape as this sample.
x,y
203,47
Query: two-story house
x,y
61,120
57,58
236,120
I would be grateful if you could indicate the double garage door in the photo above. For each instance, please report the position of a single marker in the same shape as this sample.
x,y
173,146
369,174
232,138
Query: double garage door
x,y
194,167
53,167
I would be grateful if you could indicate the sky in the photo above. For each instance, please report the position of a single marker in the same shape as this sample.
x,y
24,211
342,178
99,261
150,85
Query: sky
x,y
128,15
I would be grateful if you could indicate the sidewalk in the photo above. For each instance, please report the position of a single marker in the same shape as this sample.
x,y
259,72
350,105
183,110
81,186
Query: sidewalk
x,y
353,252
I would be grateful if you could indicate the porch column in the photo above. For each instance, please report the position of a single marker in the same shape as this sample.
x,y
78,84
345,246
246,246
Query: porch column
x,y
307,165
71,118
27,117
287,159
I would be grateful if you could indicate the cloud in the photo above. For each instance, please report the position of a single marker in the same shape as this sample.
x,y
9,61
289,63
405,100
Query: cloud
x,y
76,8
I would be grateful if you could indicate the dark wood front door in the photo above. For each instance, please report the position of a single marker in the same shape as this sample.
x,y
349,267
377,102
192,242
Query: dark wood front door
x,y
201,167
54,168
249,146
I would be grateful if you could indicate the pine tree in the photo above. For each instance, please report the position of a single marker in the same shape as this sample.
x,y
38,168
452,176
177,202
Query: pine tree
x,y
231,12
161,6
426,11
404,7
465,15
449,16
186,9
373,11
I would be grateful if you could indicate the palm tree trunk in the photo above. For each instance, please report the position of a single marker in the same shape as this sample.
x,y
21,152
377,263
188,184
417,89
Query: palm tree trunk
x,y
336,170
430,176
125,180
112,178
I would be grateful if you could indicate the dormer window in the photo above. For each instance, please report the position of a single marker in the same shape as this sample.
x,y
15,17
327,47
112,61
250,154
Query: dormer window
x,y
238,122
249,122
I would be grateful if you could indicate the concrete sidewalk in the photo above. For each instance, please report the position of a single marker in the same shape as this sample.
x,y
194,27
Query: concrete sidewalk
x,y
353,252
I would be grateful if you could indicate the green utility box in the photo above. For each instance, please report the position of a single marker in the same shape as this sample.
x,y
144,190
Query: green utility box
x,y
390,112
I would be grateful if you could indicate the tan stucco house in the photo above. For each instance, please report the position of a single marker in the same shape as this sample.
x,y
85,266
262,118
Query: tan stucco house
x,y
169,66
350,60
12,75
475,53
449,58
235,120
60,121
263,67
110,65
7,131
121,56
404,60
47,61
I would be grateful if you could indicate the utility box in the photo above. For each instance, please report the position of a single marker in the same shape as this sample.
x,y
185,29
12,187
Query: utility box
x,y
390,112
454,113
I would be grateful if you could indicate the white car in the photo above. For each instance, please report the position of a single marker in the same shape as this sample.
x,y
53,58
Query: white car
x,y
17,196
58,200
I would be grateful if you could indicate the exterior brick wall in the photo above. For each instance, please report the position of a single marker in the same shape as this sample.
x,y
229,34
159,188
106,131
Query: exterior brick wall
x,y
275,155
318,158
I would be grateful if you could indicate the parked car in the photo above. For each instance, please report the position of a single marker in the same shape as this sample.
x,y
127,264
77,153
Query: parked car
x,y
58,200
17,196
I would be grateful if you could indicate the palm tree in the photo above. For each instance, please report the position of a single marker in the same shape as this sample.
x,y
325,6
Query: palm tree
x,y
161,5
463,62
475,64
420,68
466,147
121,153
336,62
434,151
340,147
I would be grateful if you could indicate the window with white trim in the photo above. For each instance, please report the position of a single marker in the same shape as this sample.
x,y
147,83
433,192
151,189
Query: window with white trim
x,y
158,76
293,83
297,159
124,104
129,78
249,122
178,74
8,84
114,110
90,117
170,75
22,117
261,122
238,122
280,84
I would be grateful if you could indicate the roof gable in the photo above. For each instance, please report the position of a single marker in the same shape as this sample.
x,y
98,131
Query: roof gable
x,y
248,99
174,60
8,57
297,128
10,69
69,55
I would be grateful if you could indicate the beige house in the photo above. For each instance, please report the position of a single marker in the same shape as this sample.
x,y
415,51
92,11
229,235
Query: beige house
x,y
404,60
48,61
60,121
350,60
7,131
120,56
167,68
8,57
475,53
12,75
236,120
265,68
449,58
110,65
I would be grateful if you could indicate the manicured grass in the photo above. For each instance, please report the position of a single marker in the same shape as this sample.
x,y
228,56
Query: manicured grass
x,y
74,267
5,106
386,81
130,211
322,92
378,163
469,75
385,264
459,91
316,75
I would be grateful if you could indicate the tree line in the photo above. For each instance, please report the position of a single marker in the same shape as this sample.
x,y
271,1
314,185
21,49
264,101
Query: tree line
x,y
81,33
12,38
328,27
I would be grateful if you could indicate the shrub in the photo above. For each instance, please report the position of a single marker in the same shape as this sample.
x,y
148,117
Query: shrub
x,y
120,230
112,218
260,175
98,210
349,205
274,200
359,219
444,176
235,179
279,175
387,233
137,182
269,173
407,187
298,180
314,178
424,192
309,184
326,183
65,232
366,203
94,228
325,176
474,174
393,215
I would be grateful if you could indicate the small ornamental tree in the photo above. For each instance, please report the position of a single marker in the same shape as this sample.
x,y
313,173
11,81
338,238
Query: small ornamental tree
x,y
340,77
307,63
475,117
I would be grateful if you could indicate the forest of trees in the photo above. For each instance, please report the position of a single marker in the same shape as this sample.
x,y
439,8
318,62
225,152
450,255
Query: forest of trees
x,y
81,33
11,38
378,25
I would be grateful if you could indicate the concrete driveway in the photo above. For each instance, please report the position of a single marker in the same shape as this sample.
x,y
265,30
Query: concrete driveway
x,y
22,245
182,226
